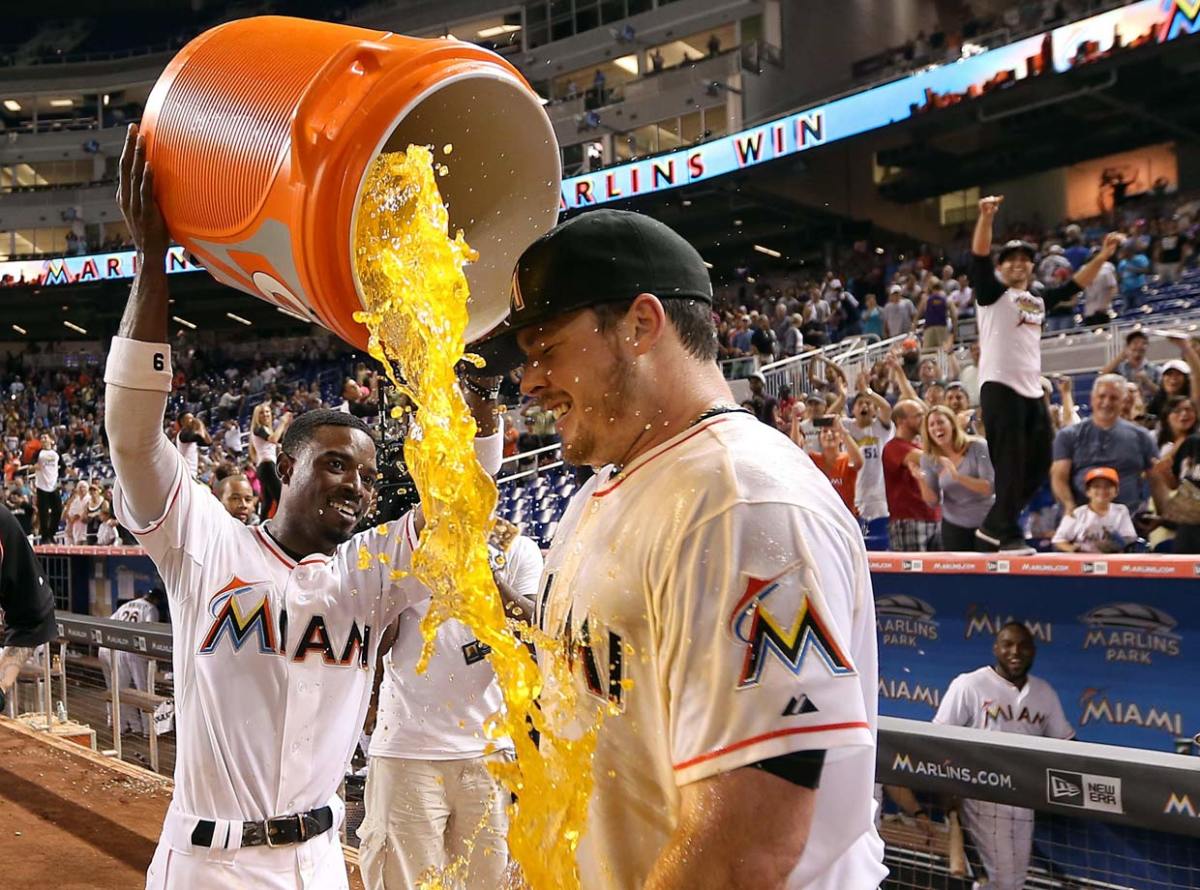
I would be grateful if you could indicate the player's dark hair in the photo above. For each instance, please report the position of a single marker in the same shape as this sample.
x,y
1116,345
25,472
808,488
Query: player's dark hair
x,y
304,427
1019,625
692,320
223,471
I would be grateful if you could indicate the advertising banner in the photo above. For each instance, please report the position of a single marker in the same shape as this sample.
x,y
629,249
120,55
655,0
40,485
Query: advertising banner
x,y
1117,637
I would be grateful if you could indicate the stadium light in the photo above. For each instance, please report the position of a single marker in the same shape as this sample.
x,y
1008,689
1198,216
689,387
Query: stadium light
x,y
768,251
74,327
627,63
498,30
19,329
61,103
184,322
107,97
247,322
12,104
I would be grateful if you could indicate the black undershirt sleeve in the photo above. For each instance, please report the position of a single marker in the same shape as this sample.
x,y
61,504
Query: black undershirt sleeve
x,y
982,275
801,768
1061,293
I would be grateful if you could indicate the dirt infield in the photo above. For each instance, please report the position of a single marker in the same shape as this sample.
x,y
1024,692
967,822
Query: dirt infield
x,y
73,819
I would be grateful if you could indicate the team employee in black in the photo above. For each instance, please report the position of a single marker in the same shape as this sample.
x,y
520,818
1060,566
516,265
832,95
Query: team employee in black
x,y
26,600
1010,369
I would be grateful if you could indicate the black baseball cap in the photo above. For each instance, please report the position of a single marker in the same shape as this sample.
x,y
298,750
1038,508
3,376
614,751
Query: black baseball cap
x,y
1018,246
601,256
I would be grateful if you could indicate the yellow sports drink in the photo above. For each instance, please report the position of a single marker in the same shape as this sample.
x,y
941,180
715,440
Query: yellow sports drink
x,y
411,271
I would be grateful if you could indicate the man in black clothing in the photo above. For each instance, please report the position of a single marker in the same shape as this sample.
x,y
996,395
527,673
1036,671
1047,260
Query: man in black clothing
x,y
26,599
1010,370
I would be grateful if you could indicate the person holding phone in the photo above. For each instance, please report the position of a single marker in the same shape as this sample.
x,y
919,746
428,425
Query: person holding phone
x,y
840,458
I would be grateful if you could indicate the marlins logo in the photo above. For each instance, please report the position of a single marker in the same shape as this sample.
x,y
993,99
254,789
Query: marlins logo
x,y
904,620
762,633
1132,632
229,620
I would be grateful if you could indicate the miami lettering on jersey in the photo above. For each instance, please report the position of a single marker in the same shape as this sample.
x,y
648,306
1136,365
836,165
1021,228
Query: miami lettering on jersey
x,y
587,649
242,609
764,634
995,713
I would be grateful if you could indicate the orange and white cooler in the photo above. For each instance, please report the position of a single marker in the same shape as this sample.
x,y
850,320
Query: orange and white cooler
x,y
260,132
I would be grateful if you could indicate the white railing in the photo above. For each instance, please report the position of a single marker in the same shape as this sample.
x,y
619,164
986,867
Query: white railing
x,y
527,455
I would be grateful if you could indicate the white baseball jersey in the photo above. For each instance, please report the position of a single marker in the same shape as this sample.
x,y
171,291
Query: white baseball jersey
x,y
45,477
138,610
1089,529
985,700
273,658
870,497
439,715
191,455
716,593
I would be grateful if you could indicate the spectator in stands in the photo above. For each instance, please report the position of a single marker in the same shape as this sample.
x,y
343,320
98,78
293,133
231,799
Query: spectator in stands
x,y
236,495
956,473
912,523
231,439
1175,483
21,508
49,499
1133,271
1099,526
76,510
792,341
1179,422
108,531
763,341
840,459
898,314
739,340
765,407
1055,268
1077,252
1014,412
1169,252
870,426
872,317
846,317
192,434
1103,440
967,373
938,314
1178,377
360,400
1098,296
95,506
1133,365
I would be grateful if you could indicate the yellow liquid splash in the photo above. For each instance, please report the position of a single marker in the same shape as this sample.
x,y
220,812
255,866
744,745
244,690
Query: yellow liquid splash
x,y
411,273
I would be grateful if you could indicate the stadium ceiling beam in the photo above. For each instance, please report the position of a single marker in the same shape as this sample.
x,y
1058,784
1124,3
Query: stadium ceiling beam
x,y
1180,130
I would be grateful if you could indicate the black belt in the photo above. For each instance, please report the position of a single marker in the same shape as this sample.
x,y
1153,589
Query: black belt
x,y
275,832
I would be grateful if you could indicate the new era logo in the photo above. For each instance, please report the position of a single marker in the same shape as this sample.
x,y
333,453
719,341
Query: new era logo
x,y
1065,788
1085,791
799,705
913,565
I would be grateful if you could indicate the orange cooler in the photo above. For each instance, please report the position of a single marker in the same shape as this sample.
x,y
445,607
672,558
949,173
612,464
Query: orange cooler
x,y
260,132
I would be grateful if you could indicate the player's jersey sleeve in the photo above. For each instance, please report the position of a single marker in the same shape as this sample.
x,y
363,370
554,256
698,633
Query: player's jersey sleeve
x,y
954,710
1057,725
524,568
184,536
756,618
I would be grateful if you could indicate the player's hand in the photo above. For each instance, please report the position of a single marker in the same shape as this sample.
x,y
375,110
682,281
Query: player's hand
x,y
135,197
989,205
1112,243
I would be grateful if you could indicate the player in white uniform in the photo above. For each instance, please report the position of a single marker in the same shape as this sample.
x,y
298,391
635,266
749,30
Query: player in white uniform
x,y
430,798
131,667
275,627
1004,698
871,427
709,584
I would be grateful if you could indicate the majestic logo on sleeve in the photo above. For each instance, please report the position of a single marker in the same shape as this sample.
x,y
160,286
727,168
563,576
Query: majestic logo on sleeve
x,y
765,635
235,618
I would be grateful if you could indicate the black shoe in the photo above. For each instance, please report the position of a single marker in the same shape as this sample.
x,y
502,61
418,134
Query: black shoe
x,y
988,543
1017,547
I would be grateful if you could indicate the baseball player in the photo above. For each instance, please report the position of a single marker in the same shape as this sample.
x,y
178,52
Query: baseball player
x,y
1003,697
276,626
429,797
131,667
26,600
709,585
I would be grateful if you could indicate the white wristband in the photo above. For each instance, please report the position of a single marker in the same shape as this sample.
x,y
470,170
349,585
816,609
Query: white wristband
x,y
490,450
136,364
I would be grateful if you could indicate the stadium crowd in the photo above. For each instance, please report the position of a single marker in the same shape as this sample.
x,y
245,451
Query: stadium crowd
x,y
901,438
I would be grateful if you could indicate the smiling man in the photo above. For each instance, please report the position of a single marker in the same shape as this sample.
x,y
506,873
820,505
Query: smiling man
x,y
708,583
275,628
1004,697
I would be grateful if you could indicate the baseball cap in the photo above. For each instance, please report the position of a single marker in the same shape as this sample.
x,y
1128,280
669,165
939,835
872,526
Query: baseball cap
x,y
815,397
836,284
1101,473
1176,365
1017,246
910,343
758,375
895,289
601,256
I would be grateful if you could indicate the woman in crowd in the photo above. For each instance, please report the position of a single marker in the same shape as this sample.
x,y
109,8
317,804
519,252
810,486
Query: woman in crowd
x,y
956,472
1179,421
264,448
95,507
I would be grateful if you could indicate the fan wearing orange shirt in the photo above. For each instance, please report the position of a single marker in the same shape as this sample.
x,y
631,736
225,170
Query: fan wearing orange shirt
x,y
840,459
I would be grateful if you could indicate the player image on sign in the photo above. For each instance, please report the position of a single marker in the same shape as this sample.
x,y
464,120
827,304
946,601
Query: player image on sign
x,y
1004,697
708,585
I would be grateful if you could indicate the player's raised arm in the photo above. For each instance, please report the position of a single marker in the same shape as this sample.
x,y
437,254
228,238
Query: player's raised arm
x,y
138,373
